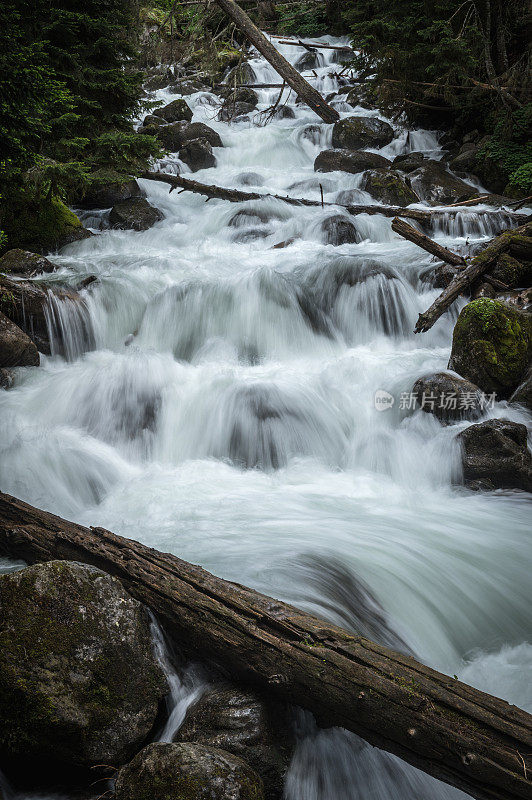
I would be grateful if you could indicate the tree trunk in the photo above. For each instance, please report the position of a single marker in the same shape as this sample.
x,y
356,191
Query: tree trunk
x,y
290,74
408,232
237,196
469,739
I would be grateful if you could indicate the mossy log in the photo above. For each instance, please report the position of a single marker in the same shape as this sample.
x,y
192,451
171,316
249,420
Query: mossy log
x,y
471,740
478,266
290,74
238,196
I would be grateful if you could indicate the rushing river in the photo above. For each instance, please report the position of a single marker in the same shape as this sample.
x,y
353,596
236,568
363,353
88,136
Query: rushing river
x,y
217,401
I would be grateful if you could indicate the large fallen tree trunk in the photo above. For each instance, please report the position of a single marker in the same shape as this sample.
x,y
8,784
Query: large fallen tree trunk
x,y
237,196
290,74
478,266
469,739
429,245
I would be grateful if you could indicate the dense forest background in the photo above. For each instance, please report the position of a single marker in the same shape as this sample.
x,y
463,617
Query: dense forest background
x,y
72,74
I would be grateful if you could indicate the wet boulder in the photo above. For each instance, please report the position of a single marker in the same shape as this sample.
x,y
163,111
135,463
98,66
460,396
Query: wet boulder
x,y
174,135
523,393
388,187
233,111
79,682
311,133
41,228
197,154
242,73
308,60
465,163
26,305
513,272
435,185
449,397
176,111
188,86
349,161
153,119
16,348
283,112
492,346
240,94
354,133
134,214
360,95
338,229
408,162
6,378
243,723
107,188
249,179
22,262
495,455
187,772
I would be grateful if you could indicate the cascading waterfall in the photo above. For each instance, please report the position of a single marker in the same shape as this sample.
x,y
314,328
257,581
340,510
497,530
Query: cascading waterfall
x,y
214,397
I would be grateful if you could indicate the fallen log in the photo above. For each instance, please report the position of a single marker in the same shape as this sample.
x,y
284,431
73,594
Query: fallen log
x,y
412,235
465,737
289,73
237,196
477,267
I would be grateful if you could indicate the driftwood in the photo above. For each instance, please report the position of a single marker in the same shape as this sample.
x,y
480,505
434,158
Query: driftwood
x,y
462,280
473,741
289,73
408,232
237,196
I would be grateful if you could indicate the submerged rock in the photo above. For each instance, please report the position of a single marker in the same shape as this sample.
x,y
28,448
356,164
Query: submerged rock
x,y
449,397
176,111
22,262
523,393
16,348
492,345
349,161
388,187
435,185
356,132
338,230
134,214
495,455
79,683
197,154
242,723
187,772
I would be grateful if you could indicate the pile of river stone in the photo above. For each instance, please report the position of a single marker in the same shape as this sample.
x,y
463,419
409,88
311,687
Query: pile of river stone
x,y
81,687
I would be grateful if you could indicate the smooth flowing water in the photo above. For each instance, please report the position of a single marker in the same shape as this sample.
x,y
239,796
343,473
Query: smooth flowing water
x,y
217,400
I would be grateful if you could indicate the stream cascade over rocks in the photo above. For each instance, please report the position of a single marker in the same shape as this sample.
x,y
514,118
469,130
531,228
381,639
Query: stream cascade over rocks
x,y
234,385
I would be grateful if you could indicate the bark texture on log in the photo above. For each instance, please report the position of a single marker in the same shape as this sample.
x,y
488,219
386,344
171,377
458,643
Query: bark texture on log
x,y
409,232
469,739
237,196
478,266
307,92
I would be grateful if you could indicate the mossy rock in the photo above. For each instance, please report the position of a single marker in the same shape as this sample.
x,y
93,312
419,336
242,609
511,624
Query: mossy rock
x,y
492,346
388,187
79,683
24,263
187,772
515,274
176,111
107,187
356,132
42,227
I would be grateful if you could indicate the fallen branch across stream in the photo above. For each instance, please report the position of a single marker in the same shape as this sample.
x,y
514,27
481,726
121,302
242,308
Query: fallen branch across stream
x,y
473,741
237,196
412,235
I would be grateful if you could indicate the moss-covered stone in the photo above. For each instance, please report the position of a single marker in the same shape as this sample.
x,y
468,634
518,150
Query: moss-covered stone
x,y
107,187
356,132
492,345
79,683
388,187
176,111
187,772
42,227
24,263
514,273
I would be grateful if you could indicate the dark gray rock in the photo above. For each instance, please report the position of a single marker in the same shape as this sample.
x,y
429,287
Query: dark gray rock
x,y
174,135
242,73
106,189
244,724
449,397
6,378
495,456
197,154
308,60
134,214
22,262
389,187
16,348
79,682
284,112
349,161
523,393
338,230
240,94
354,133
188,86
435,185
176,111
153,119
408,162
231,111
187,772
